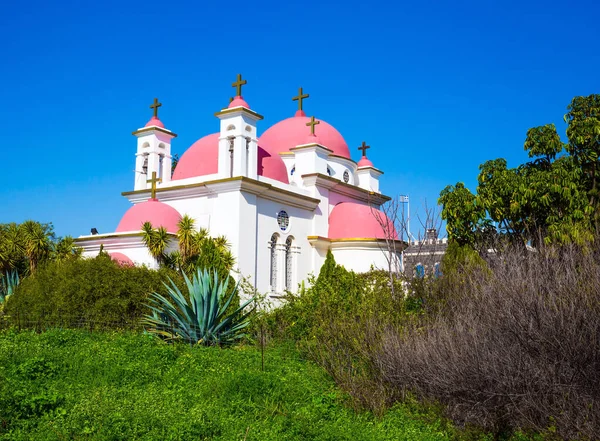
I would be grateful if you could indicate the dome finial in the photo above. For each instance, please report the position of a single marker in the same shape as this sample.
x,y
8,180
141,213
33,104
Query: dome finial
x,y
364,148
238,84
155,107
301,96
312,123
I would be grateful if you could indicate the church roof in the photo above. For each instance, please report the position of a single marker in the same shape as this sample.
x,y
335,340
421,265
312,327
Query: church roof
x,y
121,259
202,159
157,213
353,220
293,131
155,122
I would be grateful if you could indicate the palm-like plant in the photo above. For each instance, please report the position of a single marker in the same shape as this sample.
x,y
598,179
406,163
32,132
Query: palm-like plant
x,y
156,240
65,249
200,317
37,242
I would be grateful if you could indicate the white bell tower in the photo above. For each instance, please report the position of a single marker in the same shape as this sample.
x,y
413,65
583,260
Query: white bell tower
x,y
153,151
238,142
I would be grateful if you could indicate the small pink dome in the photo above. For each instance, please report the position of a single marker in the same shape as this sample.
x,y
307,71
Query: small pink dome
x,y
352,220
153,211
293,131
154,121
238,101
202,159
121,259
365,162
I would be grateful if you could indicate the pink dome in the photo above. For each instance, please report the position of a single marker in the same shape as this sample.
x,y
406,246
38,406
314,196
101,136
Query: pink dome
x,y
121,259
365,162
202,159
238,101
153,211
352,220
154,121
293,131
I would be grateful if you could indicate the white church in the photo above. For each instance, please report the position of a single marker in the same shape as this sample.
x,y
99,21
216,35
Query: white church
x,y
282,199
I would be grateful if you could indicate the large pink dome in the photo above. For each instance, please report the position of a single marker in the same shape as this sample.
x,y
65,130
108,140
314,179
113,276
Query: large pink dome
x,y
121,259
202,159
293,131
153,211
352,220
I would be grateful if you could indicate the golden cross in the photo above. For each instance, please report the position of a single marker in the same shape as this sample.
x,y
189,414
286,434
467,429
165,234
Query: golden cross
x,y
238,84
155,106
364,148
300,97
154,180
312,123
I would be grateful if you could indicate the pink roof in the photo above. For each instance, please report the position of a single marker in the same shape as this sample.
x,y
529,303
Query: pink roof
x,y
365,162
202,159
292,132
154,121
153,211
238,101
121,259
353,220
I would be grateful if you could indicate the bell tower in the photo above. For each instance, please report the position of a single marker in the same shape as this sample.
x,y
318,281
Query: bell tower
x,y
153,151
238,142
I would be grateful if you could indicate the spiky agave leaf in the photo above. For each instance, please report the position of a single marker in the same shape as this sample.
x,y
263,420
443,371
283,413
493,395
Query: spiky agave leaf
x,y
200,317
9,282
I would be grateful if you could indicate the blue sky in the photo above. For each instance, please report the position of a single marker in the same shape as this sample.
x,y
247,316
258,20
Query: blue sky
x,y
435,87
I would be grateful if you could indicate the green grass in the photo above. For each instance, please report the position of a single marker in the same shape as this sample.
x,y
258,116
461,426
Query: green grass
x,y
73,385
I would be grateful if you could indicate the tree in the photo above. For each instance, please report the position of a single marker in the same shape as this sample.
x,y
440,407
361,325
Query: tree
x,y
463,213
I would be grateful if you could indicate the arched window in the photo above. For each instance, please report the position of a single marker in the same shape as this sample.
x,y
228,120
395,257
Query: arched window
x,y
273,266
145,164
289,264
437,271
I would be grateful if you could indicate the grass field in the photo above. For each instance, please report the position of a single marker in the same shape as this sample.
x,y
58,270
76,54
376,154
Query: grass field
x,y
73,385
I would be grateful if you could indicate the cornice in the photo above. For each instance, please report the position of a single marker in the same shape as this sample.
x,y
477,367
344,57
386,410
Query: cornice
x,y
342,243
151,128
337,186
311,146
237,183
369,168
252,113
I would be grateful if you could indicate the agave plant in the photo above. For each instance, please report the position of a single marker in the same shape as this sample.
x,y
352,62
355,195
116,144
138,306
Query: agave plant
x,y
199,317
8,283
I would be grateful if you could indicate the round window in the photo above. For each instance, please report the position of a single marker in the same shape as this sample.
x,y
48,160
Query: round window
x,y
283,220
346,176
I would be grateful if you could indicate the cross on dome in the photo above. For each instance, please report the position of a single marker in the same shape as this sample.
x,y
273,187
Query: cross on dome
x,y
238,84
154,180
312,123
155,107
300,98
364,148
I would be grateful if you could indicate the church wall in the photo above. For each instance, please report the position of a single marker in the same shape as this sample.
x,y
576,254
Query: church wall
x,y
299,228
369,255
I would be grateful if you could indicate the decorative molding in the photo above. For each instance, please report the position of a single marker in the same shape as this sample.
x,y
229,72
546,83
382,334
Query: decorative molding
x,y
237,183
337,186
251,113
151,128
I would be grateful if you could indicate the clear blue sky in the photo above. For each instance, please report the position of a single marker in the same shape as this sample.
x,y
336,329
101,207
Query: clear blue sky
x,y
435,87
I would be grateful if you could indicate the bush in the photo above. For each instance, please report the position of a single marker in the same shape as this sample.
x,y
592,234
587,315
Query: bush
x,y
514,346
337,322
85,292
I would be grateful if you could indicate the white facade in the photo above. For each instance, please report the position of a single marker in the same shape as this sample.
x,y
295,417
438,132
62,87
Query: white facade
x,y
279,226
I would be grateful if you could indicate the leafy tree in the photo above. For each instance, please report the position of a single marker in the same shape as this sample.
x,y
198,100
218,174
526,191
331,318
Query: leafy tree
x,y
551,199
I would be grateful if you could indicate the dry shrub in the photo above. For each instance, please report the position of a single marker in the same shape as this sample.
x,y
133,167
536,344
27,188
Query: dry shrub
x,y
515,347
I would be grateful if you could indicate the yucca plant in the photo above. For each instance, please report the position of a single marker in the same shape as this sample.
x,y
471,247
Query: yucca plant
x,y
199,317
8,284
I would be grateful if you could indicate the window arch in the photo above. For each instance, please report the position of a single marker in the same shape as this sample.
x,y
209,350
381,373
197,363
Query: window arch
x,y
145,164
289,264
273,264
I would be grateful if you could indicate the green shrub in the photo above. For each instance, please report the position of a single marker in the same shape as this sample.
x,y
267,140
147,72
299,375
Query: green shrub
x,y
85,292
